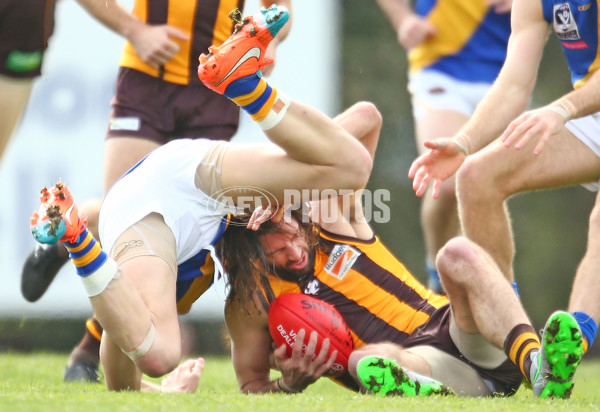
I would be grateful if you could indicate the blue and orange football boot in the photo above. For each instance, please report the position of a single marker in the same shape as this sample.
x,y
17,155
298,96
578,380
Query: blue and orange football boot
x,y
57,219
243,53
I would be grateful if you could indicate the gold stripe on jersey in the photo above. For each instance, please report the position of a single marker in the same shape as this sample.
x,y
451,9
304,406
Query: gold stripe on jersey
x,y
183,14
592,69
198,286
224,25
178,67
453,31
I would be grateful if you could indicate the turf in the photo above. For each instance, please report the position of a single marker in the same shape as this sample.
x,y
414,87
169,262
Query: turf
x,y
33,382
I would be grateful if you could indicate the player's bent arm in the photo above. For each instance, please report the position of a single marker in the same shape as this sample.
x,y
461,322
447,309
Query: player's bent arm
x,y
396,11
250,347
509,95
112,15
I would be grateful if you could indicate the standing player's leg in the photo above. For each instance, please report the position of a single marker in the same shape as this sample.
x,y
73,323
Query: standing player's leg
x,y
584,301
439,217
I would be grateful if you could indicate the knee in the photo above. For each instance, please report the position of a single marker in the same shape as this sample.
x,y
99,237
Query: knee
x,y
476,181
455,258
361,120
156,365
370,116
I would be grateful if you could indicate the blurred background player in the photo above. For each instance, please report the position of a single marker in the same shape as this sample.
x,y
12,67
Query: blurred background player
x,y
455,51
25,28
158,98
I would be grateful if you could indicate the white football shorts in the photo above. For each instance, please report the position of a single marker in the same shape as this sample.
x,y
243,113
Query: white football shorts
x,y
433,90
587,129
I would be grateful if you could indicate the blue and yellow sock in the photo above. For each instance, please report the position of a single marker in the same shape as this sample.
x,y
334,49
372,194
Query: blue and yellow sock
x,y
94,267
262,102
86,254
589,329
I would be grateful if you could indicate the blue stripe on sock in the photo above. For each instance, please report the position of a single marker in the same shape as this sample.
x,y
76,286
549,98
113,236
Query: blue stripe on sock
x,y
588,326
93,265
84,251
242,86
256,105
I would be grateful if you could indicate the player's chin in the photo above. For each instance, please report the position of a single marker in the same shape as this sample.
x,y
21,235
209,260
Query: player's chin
x,y
298,266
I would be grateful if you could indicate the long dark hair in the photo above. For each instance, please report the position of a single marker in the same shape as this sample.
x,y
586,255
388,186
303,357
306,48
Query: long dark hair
x,y
244,260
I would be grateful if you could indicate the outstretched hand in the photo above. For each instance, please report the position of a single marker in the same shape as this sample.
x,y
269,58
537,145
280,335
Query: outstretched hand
x,y
441,161
301,370
542,122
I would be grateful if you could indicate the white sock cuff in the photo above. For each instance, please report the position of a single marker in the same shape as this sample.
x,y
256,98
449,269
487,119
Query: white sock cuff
x,y
145,346
282,102
95,283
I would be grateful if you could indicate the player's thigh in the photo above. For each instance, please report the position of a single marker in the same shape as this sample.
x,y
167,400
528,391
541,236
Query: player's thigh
x,y
565,161
267,167
436,124
146,253
441,104
15,94
121,154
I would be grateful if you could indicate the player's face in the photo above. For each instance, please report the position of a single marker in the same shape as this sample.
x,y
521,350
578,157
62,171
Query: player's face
x,y
287,249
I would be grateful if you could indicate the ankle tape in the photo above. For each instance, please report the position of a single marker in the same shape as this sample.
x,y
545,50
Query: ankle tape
x,y
95,283
280,106
145,346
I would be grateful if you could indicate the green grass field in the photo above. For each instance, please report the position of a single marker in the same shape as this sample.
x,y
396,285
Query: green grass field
x,y
33,382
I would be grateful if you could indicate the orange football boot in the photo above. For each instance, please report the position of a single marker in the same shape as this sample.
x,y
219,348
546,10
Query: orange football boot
x,y
242,54
57,219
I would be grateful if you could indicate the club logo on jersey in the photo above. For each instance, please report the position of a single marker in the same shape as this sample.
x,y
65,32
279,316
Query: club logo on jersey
x,y
312,288
565,26
340,261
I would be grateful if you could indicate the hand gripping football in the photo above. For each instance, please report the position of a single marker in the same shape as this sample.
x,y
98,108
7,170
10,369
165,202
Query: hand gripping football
x,y
294,311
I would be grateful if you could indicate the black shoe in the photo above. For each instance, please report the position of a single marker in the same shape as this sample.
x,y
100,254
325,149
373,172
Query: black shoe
x,y
82,372
40,269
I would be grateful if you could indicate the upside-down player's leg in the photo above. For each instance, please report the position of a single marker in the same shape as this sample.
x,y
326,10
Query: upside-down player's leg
x,y
317,153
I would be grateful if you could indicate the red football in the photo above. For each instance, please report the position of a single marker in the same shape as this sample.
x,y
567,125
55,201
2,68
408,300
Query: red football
x,y
294,311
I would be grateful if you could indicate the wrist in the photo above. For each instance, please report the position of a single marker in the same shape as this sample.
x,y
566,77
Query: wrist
x,y
464,143
285,388
565,108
